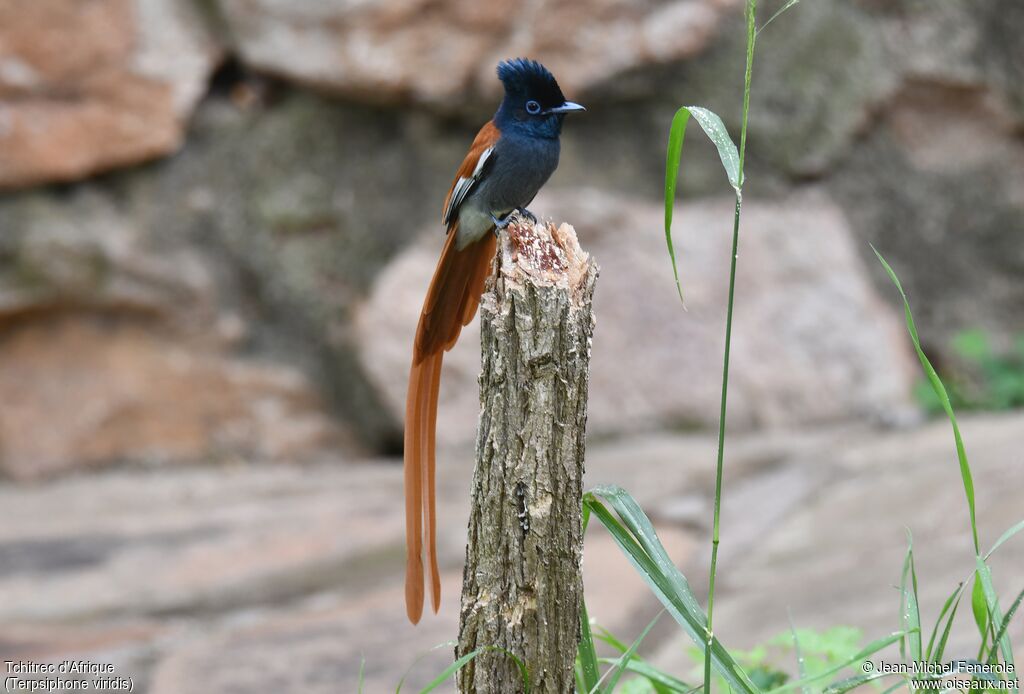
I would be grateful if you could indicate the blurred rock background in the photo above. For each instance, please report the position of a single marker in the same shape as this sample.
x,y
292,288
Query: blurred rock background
x,y
218,218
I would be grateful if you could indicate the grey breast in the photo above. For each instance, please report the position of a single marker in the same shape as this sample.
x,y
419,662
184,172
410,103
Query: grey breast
x,y
521,166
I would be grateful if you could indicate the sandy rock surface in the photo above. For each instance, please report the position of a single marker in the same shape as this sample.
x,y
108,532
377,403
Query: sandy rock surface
x,y
224,578
91,86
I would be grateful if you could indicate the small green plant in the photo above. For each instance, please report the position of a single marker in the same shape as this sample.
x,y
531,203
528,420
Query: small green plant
x,y
980,377
455,667
732,160
632,530
816,654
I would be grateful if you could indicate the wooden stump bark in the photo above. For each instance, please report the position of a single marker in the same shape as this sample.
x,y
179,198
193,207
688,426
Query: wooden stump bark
x,y
522,585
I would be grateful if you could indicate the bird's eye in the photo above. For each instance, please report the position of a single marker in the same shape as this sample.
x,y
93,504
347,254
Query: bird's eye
x,y
532,107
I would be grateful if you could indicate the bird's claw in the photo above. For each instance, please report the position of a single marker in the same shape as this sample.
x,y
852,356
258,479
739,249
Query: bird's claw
x,y
523,212
500,223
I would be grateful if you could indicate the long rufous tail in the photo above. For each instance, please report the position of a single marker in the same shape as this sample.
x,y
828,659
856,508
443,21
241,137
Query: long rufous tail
x,y
452,301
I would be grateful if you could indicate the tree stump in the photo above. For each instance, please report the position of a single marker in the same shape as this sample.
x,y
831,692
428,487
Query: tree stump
x,y
522,585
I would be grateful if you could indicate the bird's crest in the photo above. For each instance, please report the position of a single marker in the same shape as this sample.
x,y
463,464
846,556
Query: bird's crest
x,y
523,77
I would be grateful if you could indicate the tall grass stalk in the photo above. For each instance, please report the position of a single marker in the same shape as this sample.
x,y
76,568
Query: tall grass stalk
x,y
751,16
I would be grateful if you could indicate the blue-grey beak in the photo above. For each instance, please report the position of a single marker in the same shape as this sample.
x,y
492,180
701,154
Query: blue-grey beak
x,y
567,107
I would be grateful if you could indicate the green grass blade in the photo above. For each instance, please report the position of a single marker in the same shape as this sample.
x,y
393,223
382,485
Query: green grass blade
x,y
910,616
401,682
1009,616
611,640
362,674
657,678
640,526
673,156
586,653
652,573
616,671
940,650
716,131
940,392
662,683
861,656
801,664
777,14
853,682
664,578
995,617
1004,537
954,596
464,660
979,607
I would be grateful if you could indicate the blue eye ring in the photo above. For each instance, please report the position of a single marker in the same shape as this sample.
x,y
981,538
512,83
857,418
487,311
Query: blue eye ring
x,y
532,107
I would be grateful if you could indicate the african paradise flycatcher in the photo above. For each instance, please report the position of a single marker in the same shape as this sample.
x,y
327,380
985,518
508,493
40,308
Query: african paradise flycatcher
x,y
511,157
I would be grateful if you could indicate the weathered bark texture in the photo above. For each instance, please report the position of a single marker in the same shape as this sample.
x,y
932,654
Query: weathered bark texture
x,y
522,586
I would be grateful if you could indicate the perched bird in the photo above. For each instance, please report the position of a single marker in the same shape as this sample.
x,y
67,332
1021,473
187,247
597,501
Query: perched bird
x,y
511,157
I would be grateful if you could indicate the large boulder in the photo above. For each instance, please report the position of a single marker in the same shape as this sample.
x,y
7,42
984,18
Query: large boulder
x,y
813,342
936,187
89,86
442,53
225,276
935,183
957,43
116,346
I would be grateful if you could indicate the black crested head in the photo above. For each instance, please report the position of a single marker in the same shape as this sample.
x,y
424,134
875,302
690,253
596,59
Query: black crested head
x,y
534,104
528,79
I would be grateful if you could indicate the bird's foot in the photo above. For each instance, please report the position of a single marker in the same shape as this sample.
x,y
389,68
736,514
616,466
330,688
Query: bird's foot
x,y
500,222
523,212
